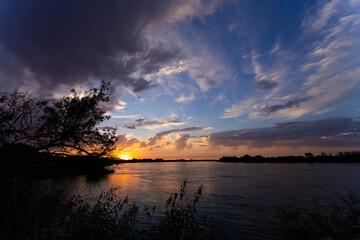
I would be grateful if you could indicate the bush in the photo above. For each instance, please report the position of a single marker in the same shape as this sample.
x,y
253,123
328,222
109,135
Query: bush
x,y
181,220
57,216
338,219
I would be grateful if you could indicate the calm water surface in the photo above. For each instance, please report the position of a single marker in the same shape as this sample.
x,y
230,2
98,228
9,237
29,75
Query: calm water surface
x,y
243,197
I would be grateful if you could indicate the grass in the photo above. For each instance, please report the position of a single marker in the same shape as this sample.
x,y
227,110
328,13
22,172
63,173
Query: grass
x,y
30,215
337,219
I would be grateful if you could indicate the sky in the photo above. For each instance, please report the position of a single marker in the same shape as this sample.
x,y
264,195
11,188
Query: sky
x,y
197,79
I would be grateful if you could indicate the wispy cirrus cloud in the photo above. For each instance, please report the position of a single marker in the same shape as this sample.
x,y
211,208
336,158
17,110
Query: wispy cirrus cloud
x,y
268,109
318,20
219,98
266,84
183,99
142,122
333,62
241,108
126,116
202,67
265,79
326,68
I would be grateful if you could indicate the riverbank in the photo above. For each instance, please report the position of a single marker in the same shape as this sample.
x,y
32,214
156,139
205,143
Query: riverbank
x,y
24,162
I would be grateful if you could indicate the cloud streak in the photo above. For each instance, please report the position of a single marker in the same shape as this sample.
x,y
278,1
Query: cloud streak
x,y
239,109
269,109
327,66
265,84
125,116
327,132
142,122
183,99
319,20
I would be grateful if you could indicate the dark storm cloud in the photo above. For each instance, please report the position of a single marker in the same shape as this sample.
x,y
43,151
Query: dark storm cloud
x,y
265,84
153,140
142,122
65,41
328,132
157,56
8,64
290,104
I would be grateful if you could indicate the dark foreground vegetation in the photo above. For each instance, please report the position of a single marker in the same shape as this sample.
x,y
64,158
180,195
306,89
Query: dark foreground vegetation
x,y
340,157
23,162
336,219
28,214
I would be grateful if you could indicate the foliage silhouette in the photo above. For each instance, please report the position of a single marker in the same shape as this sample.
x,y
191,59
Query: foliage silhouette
x,y
58,216
337,219
19,116
68,126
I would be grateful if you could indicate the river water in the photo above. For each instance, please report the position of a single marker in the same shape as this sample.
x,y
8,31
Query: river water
x,y
242,197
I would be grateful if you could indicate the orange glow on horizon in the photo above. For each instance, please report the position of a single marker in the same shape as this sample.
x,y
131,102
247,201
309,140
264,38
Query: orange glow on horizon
x,y
198,152
125,156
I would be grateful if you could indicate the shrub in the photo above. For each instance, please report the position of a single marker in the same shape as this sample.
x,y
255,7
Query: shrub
x,y
57,216
337,219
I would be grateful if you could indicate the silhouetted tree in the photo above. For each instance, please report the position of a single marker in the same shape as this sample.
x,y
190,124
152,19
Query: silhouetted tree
x,y
67,126
19,115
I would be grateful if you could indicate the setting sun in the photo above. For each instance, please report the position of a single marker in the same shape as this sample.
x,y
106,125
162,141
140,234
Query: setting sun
x,y
125,156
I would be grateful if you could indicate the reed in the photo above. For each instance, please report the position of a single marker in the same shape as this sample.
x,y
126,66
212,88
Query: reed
x,y
337,218
58,216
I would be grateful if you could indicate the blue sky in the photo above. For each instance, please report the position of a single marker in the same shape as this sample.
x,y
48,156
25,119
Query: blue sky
x,y
211,77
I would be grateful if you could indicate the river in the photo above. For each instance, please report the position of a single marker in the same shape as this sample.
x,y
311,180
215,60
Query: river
x,y
242,197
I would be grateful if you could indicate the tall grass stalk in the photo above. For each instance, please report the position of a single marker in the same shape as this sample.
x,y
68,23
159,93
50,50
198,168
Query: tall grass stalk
x,y
62,217
335,219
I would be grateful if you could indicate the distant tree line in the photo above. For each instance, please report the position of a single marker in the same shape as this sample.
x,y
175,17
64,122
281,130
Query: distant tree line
x,y
308,157
135,160
353,156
